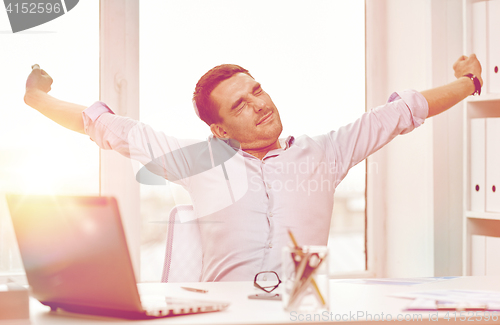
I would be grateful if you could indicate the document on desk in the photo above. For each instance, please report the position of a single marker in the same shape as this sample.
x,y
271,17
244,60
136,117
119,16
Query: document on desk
x,y
397,281
453,299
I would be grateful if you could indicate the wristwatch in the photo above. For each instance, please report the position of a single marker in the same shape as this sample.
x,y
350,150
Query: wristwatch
x,y
477,84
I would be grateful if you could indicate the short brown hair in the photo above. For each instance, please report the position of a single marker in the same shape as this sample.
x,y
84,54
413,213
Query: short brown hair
x,y
205,108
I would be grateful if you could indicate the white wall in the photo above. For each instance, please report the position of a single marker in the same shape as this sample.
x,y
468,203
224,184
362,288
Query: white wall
x,y
409,178
417,190
447,46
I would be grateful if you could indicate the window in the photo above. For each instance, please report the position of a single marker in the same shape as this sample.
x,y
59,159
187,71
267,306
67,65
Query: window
x,y
310,58
36,155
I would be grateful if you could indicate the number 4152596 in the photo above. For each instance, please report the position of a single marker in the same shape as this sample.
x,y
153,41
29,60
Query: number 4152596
x,y
34,8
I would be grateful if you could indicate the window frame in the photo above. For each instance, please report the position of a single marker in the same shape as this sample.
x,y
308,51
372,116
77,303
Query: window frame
x,y
119,88
119,39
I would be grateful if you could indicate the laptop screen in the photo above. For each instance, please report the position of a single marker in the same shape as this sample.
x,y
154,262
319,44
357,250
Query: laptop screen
x,y
74,251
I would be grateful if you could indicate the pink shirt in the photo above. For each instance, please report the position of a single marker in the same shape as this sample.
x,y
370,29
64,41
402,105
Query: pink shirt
x,y
245,206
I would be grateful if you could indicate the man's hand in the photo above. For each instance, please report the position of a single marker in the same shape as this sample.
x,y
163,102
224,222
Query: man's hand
x,y
465,65
38,80
442,98
66,114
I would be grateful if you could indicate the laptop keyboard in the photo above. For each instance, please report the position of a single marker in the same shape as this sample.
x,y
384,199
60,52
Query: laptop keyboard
x,y
160,306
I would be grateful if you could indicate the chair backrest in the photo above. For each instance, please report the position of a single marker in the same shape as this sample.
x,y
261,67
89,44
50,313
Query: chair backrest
x,y
183,255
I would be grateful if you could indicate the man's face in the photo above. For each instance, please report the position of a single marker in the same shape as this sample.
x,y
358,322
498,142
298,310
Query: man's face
x,y
248,113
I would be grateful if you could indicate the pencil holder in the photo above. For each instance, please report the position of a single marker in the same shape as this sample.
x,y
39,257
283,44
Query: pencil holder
x,y
305,278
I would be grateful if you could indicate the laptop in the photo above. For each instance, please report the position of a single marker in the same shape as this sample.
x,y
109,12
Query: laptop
x,y
76,258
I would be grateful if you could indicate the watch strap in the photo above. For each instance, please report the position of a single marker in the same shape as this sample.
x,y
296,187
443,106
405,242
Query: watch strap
x,y
477,83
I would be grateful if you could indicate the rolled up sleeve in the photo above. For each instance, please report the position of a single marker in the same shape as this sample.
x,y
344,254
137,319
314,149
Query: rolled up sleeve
x,y
416,103
92,113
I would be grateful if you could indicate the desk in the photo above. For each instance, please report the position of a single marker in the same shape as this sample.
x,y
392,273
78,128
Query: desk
x,y
346,298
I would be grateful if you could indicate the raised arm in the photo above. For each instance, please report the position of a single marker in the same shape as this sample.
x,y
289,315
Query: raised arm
x,y
64,113
442,98
166,156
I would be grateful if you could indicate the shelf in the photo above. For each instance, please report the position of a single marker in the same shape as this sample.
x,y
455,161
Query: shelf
x,y
483,108
477,37
484,98
483,215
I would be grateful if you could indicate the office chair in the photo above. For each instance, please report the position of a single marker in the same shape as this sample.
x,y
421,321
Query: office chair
x,y
183,255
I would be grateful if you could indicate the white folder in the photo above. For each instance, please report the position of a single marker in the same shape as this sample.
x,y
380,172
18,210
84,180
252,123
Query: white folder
x,y
478,255
492,255
477,164
493,164
479,37
493,64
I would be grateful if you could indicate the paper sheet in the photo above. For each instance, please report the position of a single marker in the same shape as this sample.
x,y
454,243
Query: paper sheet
x,y
489,300
396,281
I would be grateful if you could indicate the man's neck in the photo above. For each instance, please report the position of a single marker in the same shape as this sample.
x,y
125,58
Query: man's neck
x,y
262,152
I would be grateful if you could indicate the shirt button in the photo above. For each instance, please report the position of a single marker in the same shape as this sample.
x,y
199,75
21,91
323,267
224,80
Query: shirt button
x,y
268,186
270,245
270,214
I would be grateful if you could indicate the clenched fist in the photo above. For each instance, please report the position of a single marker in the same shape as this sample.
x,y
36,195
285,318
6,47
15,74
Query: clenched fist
x,y
465,65
38,80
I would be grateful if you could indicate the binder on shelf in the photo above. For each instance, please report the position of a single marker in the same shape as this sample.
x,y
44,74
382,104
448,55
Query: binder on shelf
x,y
493,64
478,255
477,164
479,33
493,164
492,255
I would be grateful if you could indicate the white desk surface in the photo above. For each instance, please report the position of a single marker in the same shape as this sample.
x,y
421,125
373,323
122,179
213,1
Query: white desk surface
x,y
345,298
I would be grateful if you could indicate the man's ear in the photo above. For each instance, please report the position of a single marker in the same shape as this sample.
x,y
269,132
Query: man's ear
x,y
218,131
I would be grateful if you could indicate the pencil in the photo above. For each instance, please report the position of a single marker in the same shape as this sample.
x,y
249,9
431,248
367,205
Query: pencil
x,y
313,282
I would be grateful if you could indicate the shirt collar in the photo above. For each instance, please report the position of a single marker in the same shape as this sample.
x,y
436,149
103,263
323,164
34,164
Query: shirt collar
x,y
284,143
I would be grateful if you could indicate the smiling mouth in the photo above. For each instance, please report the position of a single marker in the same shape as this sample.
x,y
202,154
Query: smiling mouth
x,y
265,118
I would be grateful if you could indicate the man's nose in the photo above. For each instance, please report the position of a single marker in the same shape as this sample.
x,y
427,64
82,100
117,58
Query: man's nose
x,y
259,104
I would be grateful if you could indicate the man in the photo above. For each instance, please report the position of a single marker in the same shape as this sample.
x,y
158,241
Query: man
x,y
244,213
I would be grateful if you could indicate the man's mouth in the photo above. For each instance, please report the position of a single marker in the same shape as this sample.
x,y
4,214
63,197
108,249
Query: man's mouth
x,y
265,118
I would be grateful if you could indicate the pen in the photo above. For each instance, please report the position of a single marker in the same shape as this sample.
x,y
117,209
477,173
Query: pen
x,y
195,290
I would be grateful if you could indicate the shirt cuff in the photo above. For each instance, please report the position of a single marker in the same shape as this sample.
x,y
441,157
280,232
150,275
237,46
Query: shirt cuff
x,y
92,113
416,103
